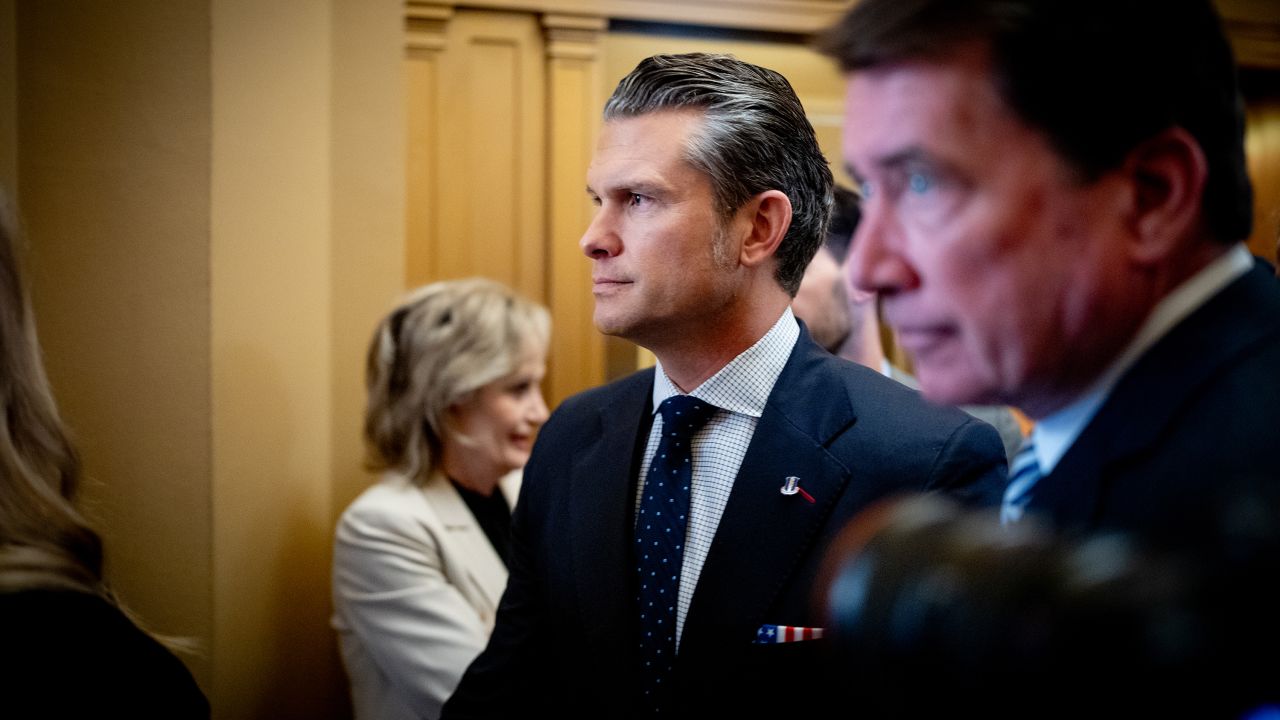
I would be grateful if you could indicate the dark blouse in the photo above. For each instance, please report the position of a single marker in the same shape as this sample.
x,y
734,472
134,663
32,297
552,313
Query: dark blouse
x,y
494,515
67,654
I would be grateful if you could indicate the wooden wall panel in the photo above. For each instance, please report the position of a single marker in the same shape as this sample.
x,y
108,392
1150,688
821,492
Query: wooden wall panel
x,y
422,98
574,105
476,169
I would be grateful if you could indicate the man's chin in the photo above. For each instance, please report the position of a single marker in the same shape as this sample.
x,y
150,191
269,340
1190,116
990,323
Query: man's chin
x,y
610,325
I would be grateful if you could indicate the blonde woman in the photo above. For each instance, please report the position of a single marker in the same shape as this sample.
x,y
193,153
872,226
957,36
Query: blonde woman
x,y
454,402
66,647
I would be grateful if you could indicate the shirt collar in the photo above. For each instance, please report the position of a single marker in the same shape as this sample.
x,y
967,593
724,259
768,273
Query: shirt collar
x,y
743,385
1054,434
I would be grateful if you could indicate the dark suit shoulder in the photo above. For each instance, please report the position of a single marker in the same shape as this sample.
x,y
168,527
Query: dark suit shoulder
x,y
885,433
1198,412
636,385
884,407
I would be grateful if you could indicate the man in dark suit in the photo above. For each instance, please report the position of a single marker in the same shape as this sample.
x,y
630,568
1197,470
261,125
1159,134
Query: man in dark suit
x,y
1065,237
635,594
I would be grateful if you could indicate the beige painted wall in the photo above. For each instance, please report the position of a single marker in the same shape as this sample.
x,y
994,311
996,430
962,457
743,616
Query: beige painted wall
x,y
214,196
367,184
113,131
307,252
271,406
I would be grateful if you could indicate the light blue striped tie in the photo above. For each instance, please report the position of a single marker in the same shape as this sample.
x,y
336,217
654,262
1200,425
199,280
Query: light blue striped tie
x,y
1023,477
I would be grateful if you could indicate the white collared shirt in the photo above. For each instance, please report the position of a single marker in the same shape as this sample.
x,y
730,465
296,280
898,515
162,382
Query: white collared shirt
x,y
740,390
1054,434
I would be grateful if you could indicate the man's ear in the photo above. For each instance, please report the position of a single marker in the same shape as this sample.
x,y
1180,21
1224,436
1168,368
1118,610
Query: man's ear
x,y
769,216
1167,173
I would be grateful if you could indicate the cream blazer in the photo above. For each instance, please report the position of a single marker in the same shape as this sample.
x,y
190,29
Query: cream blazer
x,y
415,587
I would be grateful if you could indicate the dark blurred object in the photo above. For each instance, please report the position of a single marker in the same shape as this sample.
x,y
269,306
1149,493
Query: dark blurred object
x,y
934,610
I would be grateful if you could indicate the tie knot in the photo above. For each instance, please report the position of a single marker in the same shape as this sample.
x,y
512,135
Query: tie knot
x,y
684,415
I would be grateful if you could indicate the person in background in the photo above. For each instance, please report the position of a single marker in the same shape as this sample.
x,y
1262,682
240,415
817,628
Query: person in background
x,y
846,320
1066,238
420,558
66,647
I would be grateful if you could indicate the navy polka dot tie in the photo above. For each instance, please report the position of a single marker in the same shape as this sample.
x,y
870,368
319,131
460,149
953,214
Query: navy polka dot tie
x,y
659,546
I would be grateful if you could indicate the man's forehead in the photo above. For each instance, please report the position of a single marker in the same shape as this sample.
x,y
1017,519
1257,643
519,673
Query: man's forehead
x,y
658,128
643,148
895,110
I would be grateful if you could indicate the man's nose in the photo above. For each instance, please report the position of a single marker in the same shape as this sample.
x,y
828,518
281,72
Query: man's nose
x,y
876,263
601,238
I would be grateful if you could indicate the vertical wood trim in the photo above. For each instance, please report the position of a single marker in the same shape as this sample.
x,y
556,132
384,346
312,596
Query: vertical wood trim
x,y
573,112
424,42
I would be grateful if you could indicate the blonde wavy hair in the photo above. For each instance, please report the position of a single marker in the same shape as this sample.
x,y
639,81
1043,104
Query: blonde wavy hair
x,y
443,342
44,541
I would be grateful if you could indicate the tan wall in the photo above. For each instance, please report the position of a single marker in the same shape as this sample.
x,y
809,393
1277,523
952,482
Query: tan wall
x,y
368,211
113,131
214,195
307,252
271,403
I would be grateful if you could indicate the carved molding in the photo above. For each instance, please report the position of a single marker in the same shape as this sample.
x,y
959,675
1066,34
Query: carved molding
x,y
798,16
424,25
573,37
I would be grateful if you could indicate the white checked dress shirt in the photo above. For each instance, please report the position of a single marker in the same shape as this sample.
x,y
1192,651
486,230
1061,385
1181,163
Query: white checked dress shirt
x,y
740,390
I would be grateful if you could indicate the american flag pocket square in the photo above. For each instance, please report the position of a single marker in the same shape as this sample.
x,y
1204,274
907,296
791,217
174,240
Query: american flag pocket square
x,y
770,634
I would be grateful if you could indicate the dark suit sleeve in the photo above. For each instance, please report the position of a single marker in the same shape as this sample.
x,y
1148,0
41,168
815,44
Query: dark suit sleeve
x,y
505,679
971,467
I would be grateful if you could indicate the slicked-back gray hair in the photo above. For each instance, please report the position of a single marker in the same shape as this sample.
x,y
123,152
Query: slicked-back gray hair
x,y
755,137
444,341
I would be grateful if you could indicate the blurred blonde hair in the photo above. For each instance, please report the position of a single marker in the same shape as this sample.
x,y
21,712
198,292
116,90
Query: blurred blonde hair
x,y
443,342
44,541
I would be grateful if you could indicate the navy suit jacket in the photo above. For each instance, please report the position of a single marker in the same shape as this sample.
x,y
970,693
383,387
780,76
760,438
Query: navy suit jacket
x,y
1196,416
564,638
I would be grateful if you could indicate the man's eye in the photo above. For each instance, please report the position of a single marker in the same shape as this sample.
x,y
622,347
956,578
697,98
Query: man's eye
x,y
866,189
635,199
919,182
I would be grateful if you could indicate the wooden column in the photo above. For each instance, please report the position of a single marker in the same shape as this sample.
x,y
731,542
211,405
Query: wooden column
x,y
574,104
425,23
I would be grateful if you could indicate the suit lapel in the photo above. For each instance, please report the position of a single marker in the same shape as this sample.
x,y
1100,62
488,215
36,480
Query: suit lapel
x,y
466,540
763,534
600,509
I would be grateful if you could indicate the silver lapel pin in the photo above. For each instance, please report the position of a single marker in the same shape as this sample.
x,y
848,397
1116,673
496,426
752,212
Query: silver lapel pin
x,y
792,487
